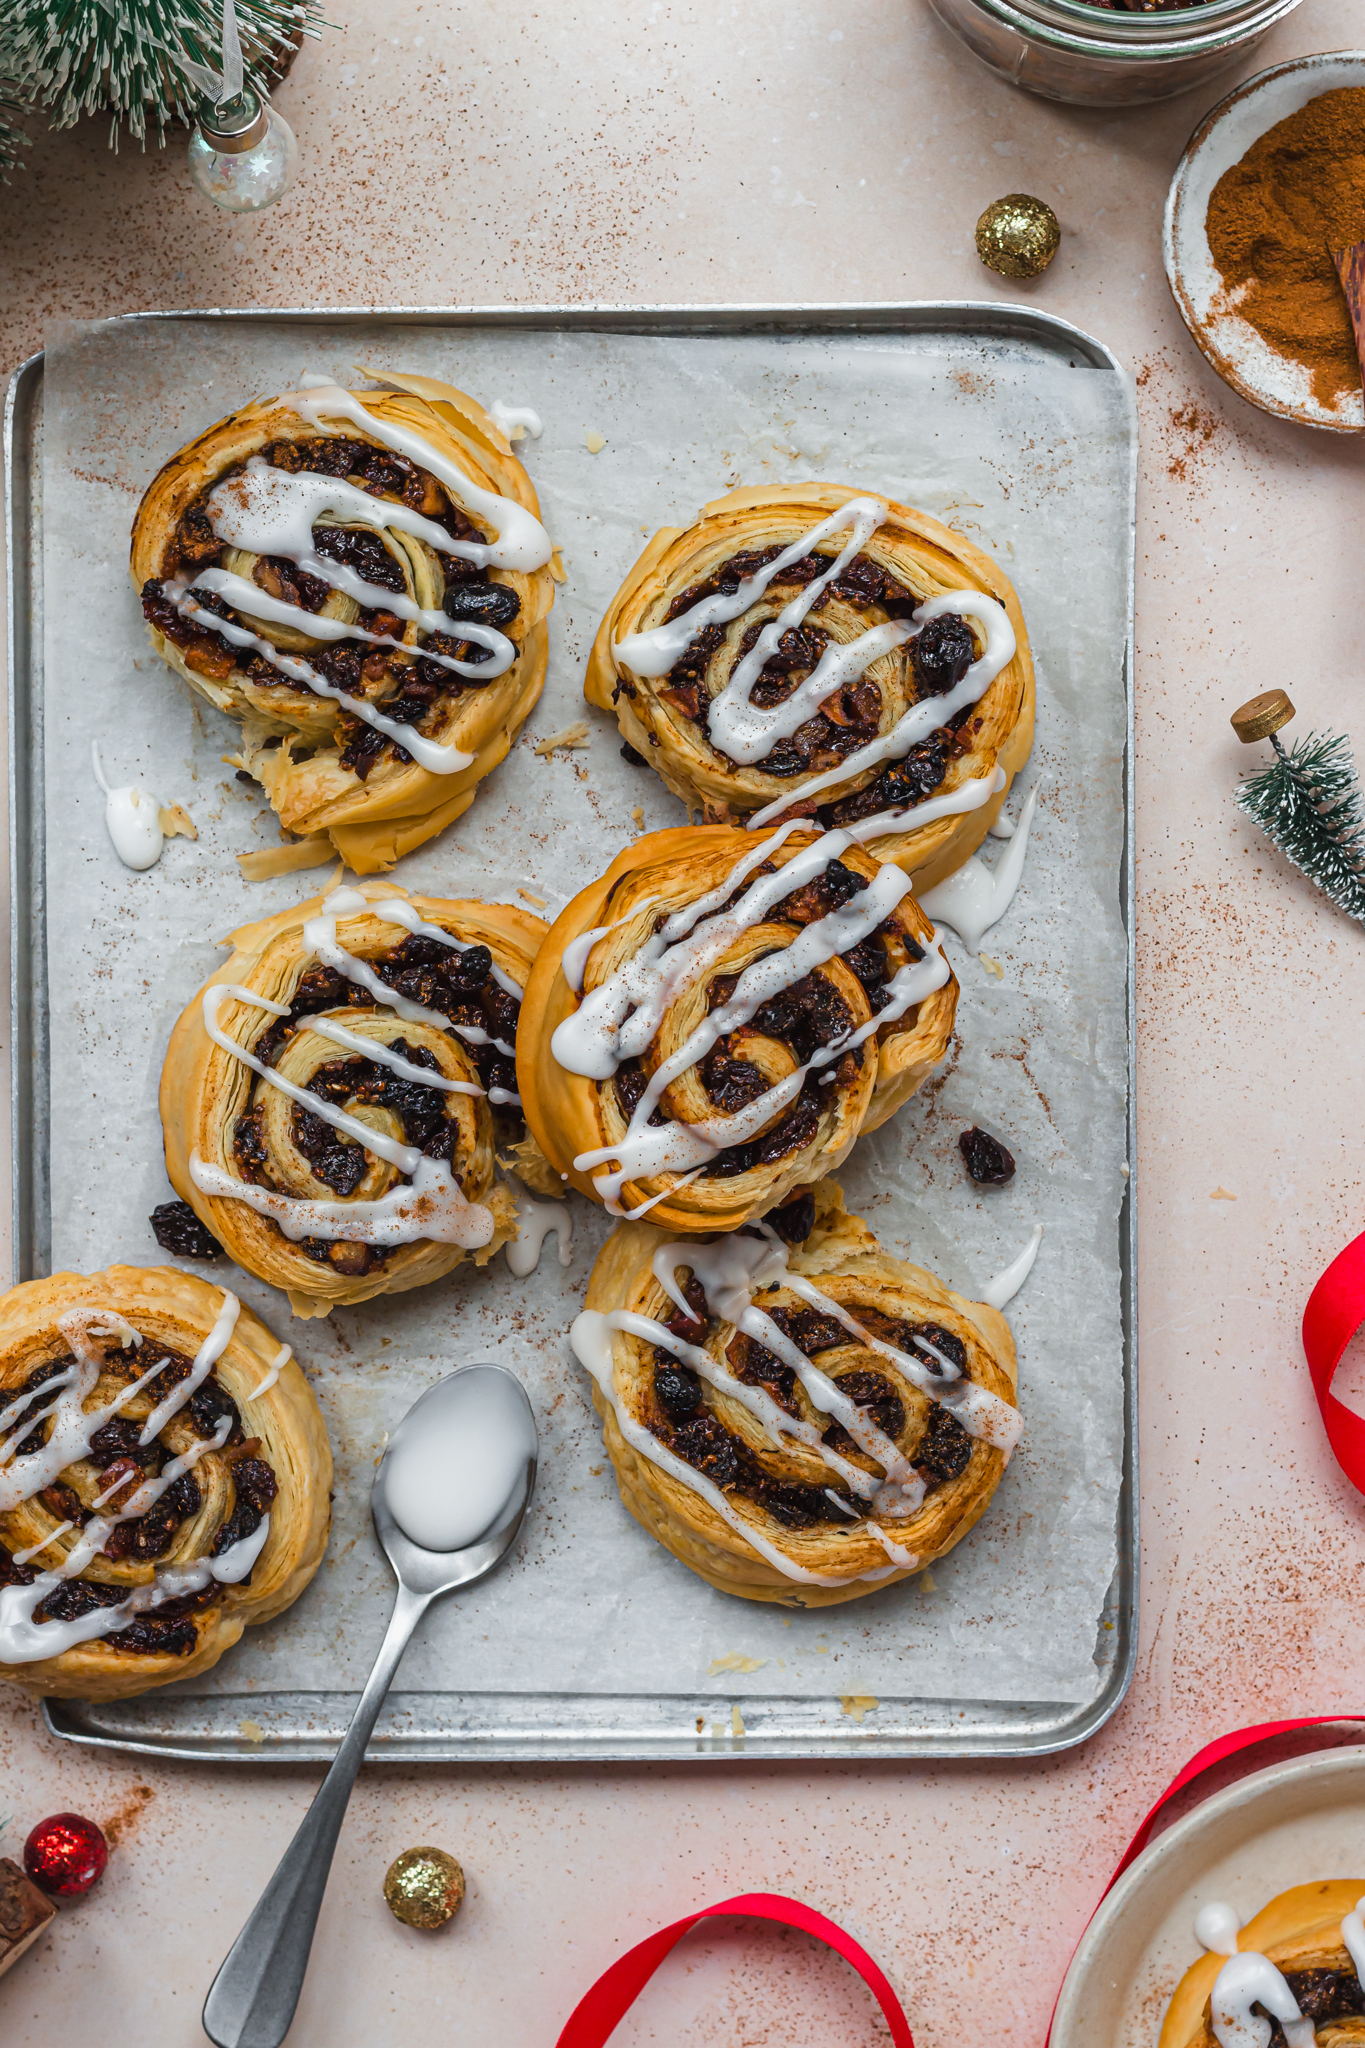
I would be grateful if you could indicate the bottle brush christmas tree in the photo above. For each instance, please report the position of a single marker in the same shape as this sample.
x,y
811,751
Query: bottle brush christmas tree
x,y
1307,802
132,59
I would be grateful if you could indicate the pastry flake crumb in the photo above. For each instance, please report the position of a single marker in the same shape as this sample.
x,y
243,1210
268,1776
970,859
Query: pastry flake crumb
x,y
737,1724
594,442
558,573
991,966
735,1660
539,901
576,735
1222,1195
269,861
596,1471
176,822
251,1731
637,817
856,1704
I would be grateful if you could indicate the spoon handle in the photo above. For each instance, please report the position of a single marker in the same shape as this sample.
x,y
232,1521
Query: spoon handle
x,y
251,2001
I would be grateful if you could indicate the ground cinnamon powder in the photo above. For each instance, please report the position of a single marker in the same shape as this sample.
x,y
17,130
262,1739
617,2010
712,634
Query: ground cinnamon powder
x,y
1297,194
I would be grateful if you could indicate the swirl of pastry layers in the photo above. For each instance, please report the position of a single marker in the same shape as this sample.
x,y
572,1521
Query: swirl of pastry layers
x,y
1294,1973
715,1021
164,1479
798,1423
360,578
813,650
332,1098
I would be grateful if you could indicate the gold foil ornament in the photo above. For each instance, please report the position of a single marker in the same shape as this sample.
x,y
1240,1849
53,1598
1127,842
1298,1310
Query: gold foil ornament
x,y
424,1888
1018,236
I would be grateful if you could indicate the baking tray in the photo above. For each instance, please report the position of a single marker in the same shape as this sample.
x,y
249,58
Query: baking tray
x,y
289,1725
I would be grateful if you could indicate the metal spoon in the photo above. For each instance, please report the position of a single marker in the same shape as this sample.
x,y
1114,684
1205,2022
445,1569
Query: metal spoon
x,y
458,1475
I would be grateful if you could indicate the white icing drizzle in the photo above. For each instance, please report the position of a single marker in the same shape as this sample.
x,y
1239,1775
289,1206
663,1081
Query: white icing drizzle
x,y
999,1292
620,1017
207,1356
510,417
396,910
1353,1937
1216,1928
976,897
1250,1979
133,818
320,939
970,797
1001,826
277,1365
924,717
250,598
535,1221
432,1205
384,1056
573,963
653,653
404,1157
22,1640
436,759
729,1269
522,541
590,1339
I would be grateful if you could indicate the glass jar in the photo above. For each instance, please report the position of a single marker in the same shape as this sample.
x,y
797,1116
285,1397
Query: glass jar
x,y
1070,50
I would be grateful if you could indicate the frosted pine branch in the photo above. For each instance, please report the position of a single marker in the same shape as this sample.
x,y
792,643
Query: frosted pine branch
x,y
124,57
1308,803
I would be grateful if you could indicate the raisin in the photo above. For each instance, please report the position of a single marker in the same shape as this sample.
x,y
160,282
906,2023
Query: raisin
x,y
941,654
795,1220
179,1231
488,604
945,1447
208,1405
677,1389
988,1162
877,1397
944,1341
629,754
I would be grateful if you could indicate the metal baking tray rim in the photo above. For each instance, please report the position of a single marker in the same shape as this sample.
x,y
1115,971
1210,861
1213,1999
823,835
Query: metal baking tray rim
x,y
73,1720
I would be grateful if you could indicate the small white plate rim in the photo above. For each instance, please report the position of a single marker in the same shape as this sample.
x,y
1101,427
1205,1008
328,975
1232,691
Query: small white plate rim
x,y
1145,1888
1223,137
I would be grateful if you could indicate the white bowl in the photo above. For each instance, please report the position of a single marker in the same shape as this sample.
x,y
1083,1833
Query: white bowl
x,y
1284,1826
1241,358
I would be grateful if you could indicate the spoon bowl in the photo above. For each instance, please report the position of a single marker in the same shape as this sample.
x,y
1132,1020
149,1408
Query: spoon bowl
x,y
448,1499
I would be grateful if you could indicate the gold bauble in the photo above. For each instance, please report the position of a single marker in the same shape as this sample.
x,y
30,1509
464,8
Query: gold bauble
x,y
424,1888
1018,236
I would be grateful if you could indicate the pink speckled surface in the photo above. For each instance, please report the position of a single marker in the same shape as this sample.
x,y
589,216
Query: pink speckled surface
x,y
671,151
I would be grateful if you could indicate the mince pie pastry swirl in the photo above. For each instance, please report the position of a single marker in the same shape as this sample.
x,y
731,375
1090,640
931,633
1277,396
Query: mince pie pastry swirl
x,y
164,1479
714,1022
333,1097
818,651
1292,1977
360,578
796,1415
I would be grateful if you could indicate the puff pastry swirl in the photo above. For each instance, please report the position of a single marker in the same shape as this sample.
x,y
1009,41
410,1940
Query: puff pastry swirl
x,y
164,1479
361,579
332,1097
814,650
800,1424
713,1023
1299,1964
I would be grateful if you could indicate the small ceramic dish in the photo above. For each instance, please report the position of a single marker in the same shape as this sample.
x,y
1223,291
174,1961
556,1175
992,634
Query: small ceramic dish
x,y
1241,358
1284,1826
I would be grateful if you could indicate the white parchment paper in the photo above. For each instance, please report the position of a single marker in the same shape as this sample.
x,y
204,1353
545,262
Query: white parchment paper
x,y
1026,455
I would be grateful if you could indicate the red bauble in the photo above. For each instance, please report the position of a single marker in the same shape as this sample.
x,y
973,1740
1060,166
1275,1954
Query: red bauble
x,y
65,1855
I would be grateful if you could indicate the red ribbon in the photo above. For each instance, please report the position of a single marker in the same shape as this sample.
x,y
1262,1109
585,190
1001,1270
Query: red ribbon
x,y
1335,1311
597,2013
